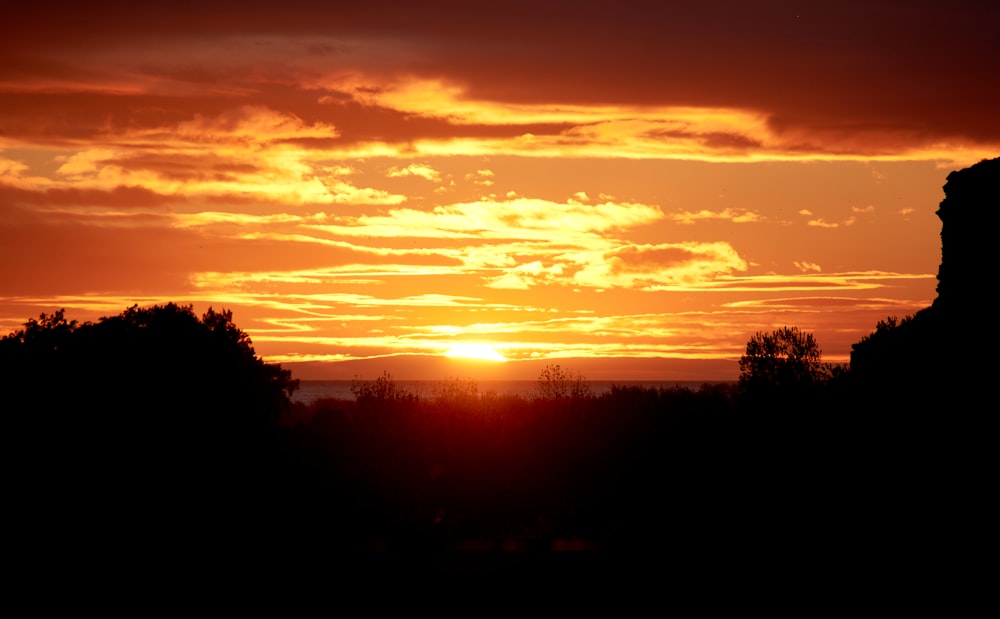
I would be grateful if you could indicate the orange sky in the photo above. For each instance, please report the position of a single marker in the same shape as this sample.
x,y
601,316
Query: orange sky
x,y
634,183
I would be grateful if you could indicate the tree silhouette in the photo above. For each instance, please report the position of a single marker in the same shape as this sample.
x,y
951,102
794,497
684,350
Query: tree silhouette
x,y
784,360
151,427
150,390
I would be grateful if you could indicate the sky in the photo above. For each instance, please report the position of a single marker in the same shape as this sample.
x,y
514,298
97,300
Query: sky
x,y
629,188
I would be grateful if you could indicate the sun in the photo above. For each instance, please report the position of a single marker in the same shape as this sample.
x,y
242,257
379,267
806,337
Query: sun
x,y
475,351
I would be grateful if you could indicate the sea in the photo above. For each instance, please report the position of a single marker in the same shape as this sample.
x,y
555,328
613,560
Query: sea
x,y
311,390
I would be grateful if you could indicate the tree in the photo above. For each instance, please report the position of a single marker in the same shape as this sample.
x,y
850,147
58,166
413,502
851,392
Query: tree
x,y
555,383
786,360
159,371
150,421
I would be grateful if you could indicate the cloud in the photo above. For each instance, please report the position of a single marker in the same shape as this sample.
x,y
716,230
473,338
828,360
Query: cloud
x,y
342,192
252,124
124,198
649,266
738,216
515,218
415,169
246,152
820,222
809,281
524,276
465,68
481,177
11,169
819,303
807,267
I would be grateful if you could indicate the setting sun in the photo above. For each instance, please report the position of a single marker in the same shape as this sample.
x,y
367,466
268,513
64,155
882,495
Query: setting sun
x,y
475,351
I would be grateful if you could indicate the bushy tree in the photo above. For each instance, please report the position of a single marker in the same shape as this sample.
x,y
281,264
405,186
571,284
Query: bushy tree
x,y
152,420
153,374
785,359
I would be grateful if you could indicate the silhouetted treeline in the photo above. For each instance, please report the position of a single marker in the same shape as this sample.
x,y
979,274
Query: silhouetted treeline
x,y
176,422
635,469
493,470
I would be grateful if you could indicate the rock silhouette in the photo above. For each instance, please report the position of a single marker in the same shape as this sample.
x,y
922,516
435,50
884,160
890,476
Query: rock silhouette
x,y
969,219
926,360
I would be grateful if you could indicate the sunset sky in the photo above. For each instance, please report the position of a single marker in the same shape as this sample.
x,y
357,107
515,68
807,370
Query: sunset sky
x,y
631,188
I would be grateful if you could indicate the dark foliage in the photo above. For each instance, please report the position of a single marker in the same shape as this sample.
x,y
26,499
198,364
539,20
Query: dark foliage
x,y
782,368
467,470
153,415
144,363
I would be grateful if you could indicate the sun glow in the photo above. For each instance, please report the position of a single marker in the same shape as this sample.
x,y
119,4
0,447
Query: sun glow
x,y
475,351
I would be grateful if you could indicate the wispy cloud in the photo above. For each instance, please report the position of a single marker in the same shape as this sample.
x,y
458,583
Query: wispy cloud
x,y
415,169
732,215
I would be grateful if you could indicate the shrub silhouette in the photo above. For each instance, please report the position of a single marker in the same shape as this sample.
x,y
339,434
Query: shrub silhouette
x,y
555,383
380,393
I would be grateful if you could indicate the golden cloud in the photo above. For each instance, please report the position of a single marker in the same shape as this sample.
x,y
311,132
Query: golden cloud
x,y
651,266
807,267
734,215
421,170
251,124
516,218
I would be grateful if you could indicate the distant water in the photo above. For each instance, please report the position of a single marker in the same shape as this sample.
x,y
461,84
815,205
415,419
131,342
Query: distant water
x,y
312,390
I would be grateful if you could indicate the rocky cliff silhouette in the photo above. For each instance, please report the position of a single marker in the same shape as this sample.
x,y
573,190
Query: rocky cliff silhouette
x,y
920,419
939,356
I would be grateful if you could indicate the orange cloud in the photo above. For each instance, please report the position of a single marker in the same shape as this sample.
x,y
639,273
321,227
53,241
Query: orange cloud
x,y
515,218
650,266
807,267
249,124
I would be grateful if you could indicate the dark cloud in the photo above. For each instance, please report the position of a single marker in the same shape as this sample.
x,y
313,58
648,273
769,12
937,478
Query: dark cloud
x,y
714,139
926,68
179,167
642,258
121,197
65,117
